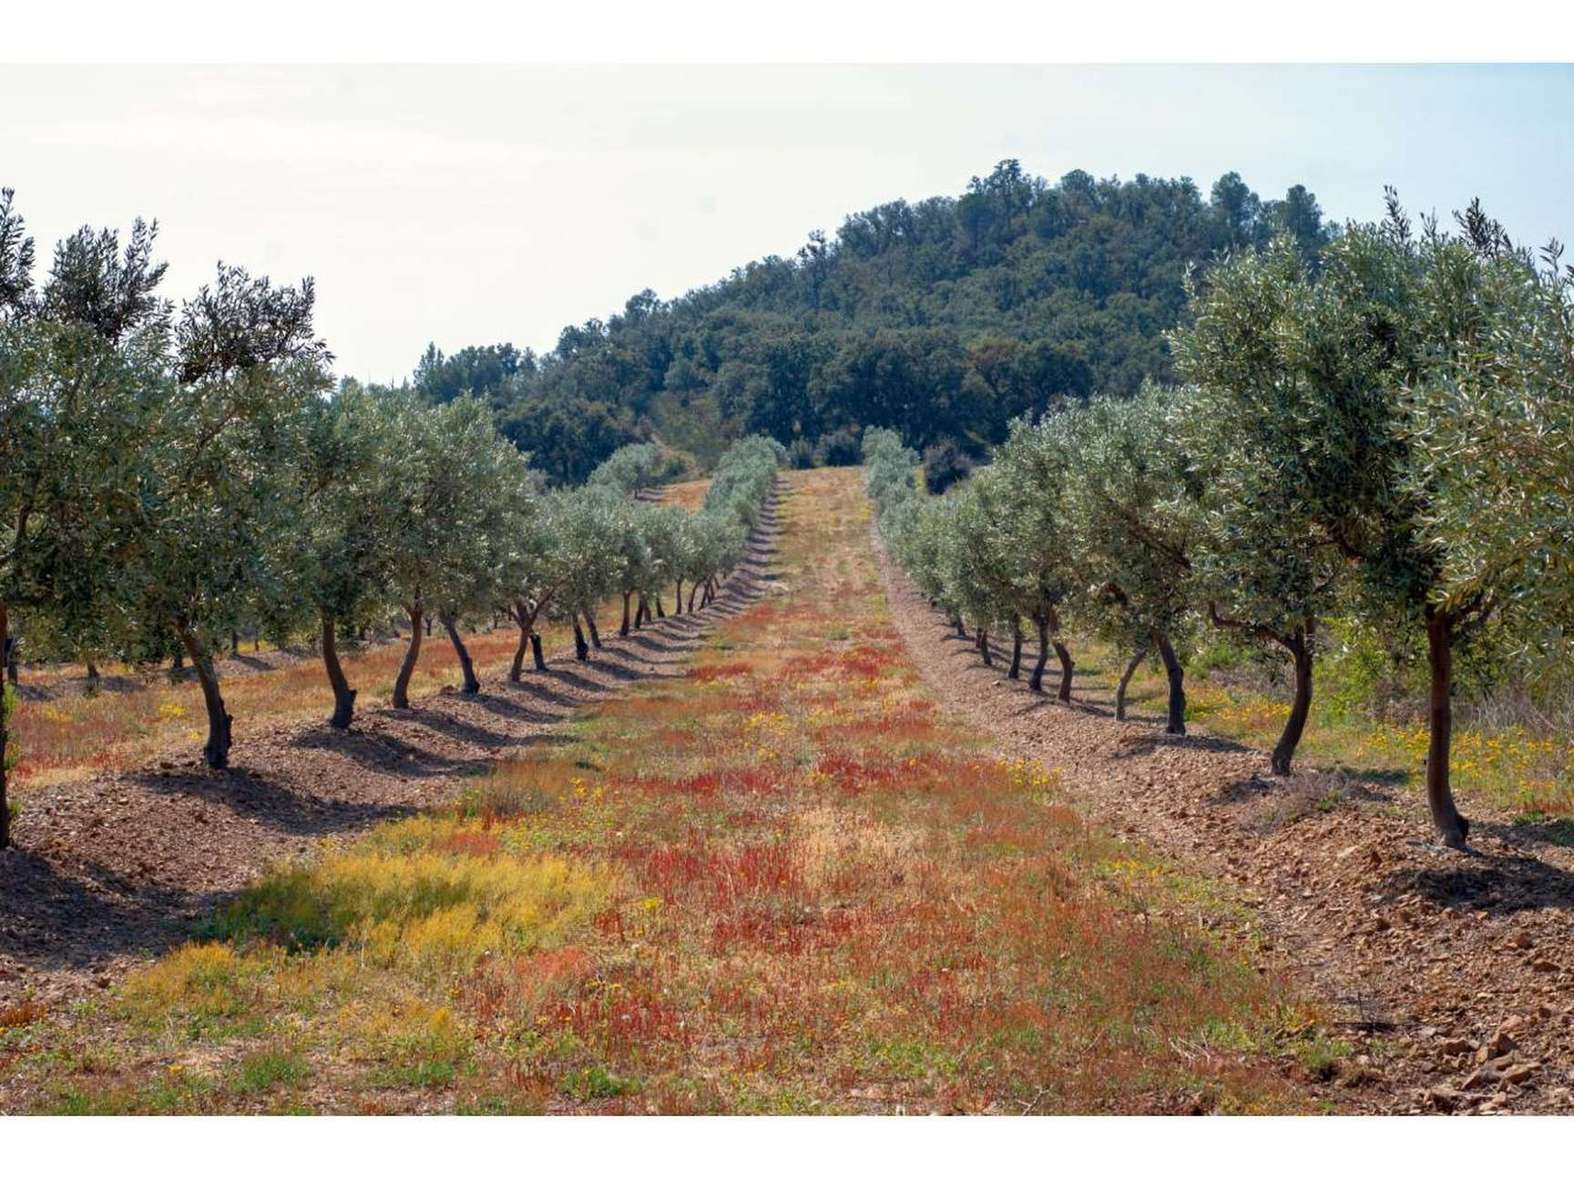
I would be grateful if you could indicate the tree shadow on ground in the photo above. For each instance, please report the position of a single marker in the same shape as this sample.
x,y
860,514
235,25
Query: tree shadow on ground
x,y
1487,884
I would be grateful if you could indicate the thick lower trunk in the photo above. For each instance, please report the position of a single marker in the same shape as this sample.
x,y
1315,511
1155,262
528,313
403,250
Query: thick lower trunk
x,y
92,672
1067,665
11,648
217,750
523,617
581,648
412,653
660,614
5,733
1176,676
693,590
234,643
641,613
595,635
1125,681
983,647
677,598
177,662
343,694
1015,672
961,627
1300,648
1453,828
627,621
471,685
536,653
1036,681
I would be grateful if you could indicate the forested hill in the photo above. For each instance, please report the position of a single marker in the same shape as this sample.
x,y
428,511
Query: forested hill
x,y
942,319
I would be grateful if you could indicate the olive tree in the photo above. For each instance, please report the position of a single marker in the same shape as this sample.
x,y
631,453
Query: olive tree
x,y
214,508
1130,490
1262,564
75,410
1033,540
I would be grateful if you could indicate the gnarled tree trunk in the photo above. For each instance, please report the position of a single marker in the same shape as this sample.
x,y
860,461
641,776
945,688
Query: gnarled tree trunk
x,y
216,752
660,614
1015,672
1299,643
595,635
627,620
677,596
983,647
1067,666
581,648
343,694
1125,680
1036,681
526,619
471,685
412,653
1451,826
535,651
1176,675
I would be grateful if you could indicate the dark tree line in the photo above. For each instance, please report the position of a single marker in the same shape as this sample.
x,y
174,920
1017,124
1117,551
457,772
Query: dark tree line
x,y
943,319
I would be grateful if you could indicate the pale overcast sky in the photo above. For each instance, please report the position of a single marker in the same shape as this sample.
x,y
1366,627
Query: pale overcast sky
x,y
476,204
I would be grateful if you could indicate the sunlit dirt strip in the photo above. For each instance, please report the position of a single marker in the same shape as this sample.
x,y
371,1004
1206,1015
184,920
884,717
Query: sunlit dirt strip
x,y
110,869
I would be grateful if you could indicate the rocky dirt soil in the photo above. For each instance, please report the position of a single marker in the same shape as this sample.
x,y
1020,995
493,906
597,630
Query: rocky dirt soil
x,y
107,871
1451,975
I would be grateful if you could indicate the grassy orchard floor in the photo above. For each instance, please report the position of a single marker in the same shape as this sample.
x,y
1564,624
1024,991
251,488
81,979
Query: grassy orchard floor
x,y
1531,774
72,734
64,738
782,883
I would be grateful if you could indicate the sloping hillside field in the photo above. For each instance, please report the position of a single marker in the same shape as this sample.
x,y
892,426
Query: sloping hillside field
x,y
777,880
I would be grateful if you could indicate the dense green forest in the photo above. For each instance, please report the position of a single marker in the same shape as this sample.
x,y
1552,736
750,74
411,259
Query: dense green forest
x,y
942,319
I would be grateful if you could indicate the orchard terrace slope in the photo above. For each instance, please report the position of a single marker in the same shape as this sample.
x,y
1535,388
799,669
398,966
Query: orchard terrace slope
x,y
112,866
1449,974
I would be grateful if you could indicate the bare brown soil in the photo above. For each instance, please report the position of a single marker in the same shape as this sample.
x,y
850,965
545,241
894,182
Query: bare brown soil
x,y
1451,975
108,871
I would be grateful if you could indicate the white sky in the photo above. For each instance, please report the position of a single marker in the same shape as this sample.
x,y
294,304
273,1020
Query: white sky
x,y
472,204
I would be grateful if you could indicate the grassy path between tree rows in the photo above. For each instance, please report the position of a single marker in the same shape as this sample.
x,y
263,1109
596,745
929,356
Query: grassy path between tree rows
x,y
783,882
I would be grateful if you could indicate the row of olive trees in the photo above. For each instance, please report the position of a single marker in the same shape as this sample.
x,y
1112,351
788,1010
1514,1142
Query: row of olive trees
x,y
1389,434
167,476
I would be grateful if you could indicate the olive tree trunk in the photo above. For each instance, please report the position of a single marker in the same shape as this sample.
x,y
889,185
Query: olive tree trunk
x,y
343,694
216,752
627,620
536,653
526,619
1299,643
1125,681
581,648
1036,681
471,685
983,647
1176,675
1015,672
412,653
1453,828
595,635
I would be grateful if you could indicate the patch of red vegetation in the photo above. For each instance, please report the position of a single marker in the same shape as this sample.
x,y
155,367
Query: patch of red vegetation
x,y
506,989
470,842
718,878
